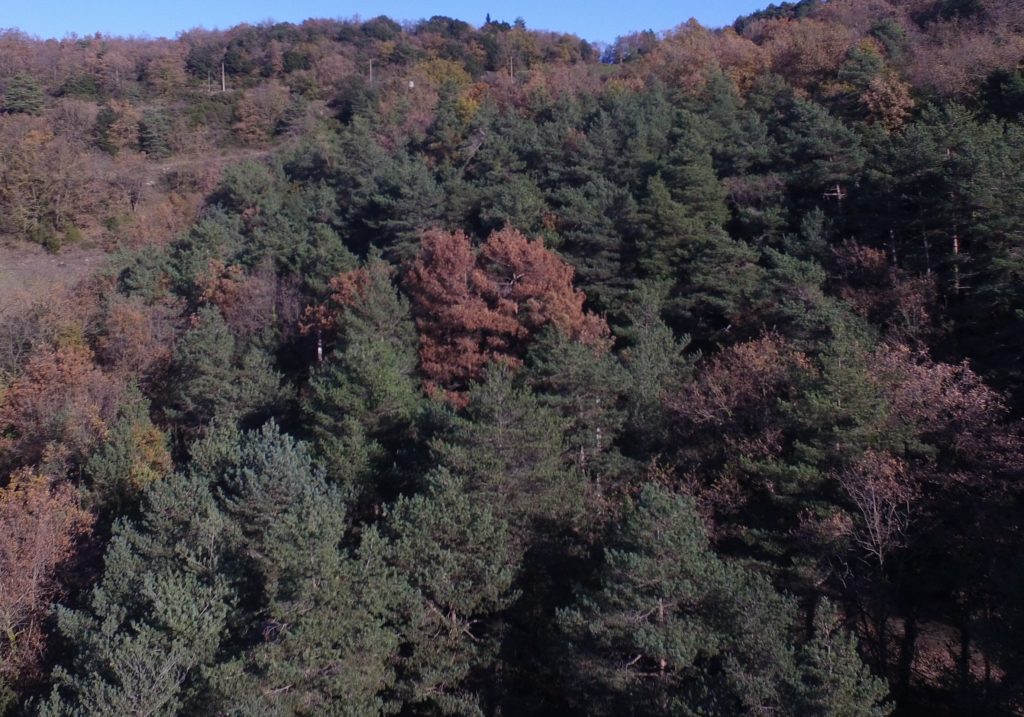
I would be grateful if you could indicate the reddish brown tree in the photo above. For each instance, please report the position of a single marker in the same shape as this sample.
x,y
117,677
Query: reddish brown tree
x,y
57,409
136,339
879,291
949,408
730,416
247,301
474,307
41,523
259,110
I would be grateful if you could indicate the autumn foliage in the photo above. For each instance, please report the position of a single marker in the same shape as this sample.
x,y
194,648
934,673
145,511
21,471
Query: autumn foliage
x,y
41,524
473,307
444,488
58,409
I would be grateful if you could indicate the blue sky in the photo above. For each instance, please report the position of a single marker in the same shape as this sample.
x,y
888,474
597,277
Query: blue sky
x,y
596,20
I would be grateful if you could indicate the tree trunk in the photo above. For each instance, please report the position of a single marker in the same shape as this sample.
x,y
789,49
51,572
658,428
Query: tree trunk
x,y
908,649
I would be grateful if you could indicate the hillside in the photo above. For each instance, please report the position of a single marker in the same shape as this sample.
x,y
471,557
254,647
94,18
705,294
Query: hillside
x,y
359,368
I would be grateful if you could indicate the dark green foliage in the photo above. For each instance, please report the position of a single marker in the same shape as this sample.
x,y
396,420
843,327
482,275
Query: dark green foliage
x,y
83,86
833,681
216,235
213,377
820,152
951,179
316,614
133,456
460,561
154,131
516,202
510,451
157,616
233,585
654,361
395,203
101,131
893,37
671,233
251,189
1003,93
593,220
22,94
586,389
365,395
672,629
203,362
719,289
381,28
861,66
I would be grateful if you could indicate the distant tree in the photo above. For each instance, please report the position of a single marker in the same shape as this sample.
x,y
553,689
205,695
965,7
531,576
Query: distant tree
x,y
117,127
259,112
888,101
46,185
1003,93
670,233
592,221
154,131
22,94
394,202
863,64
165,72
893,38
684,205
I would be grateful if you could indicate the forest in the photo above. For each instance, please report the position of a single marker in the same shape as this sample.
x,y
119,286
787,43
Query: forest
x,y
455,369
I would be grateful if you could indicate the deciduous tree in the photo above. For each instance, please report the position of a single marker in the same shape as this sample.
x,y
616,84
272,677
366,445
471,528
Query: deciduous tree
x,y
41,526
472,308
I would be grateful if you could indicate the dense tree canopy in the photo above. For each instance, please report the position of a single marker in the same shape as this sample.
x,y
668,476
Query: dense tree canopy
x,y
434,369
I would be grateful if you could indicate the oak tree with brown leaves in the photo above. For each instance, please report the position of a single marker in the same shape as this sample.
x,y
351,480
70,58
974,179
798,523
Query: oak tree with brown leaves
x,y
57,410
475,307
41,524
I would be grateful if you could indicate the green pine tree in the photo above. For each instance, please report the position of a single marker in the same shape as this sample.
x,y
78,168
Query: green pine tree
x,y
157,618
833,681
459,560
510,451
215,378
154,134
670,628
22,94
314,614
364,397
134,455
